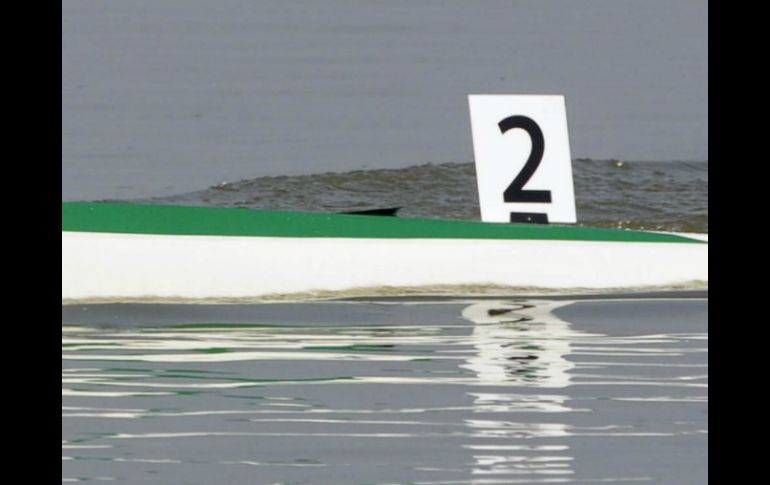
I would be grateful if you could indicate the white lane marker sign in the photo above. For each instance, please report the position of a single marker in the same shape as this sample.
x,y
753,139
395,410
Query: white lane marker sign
x,y
523,162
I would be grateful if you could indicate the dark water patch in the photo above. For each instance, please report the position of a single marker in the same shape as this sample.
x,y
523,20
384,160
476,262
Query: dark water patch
x,y
666,196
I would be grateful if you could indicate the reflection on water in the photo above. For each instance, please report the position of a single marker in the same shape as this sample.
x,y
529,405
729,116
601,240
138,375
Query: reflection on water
x,y
519,344
427,392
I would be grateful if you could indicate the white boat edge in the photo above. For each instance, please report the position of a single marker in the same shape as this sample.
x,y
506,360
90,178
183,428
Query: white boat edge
x,y
106,267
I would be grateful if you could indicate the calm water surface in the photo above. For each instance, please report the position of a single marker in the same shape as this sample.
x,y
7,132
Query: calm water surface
x,y
423,391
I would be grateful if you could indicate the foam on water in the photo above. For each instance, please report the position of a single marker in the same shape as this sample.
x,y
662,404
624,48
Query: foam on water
x,y
455,291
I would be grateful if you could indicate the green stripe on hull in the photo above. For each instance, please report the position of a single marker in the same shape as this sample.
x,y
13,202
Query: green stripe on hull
x,y
211,221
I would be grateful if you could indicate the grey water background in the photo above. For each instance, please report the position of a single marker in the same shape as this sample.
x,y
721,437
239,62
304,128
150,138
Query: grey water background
x,y
162,98
343,105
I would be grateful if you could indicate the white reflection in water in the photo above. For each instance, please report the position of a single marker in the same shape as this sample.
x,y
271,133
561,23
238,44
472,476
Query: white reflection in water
x,y
523,344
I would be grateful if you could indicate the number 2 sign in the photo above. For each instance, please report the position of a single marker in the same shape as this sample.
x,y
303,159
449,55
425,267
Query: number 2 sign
x,y
523,164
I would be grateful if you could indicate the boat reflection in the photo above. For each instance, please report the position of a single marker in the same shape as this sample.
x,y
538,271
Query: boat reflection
x,y
521,345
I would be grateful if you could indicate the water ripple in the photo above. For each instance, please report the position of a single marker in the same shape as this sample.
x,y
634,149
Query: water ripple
x,y
501,392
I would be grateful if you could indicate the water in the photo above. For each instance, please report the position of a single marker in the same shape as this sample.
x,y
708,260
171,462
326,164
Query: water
x,y
668,196
163,98
422,391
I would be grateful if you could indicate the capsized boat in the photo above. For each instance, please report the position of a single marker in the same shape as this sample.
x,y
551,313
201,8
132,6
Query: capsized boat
x,y
134,252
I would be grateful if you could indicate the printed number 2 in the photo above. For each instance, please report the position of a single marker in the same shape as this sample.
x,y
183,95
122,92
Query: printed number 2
x,y
515,191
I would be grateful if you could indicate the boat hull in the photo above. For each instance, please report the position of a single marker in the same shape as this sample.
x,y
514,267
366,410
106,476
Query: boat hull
x,y
104,266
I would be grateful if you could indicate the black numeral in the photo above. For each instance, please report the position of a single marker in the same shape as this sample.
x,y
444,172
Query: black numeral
x,y
515,191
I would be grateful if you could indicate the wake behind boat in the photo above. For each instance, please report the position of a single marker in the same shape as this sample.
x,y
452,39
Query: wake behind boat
x,y
132,252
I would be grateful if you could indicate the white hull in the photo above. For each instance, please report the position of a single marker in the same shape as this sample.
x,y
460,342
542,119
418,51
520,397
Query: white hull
x,y
130,267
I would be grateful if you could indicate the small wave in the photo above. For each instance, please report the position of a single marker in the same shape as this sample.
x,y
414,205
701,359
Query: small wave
x,y
661,196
